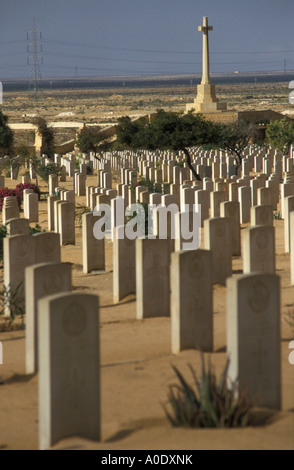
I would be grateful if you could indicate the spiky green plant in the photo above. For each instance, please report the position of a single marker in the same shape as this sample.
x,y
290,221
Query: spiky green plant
x,y
210,404
276,216
13,299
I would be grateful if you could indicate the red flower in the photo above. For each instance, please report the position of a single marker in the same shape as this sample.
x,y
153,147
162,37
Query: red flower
x,y
17,192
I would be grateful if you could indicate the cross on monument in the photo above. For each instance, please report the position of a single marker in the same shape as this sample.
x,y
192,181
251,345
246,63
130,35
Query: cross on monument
x,y
205,50
206,100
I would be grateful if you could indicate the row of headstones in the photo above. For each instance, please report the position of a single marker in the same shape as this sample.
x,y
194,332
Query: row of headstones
x,y
263,191
63,334
69,343
210,167
10,209
258,256
201,197
61,216
80,189
85,163
264,196
96,162
129,159
104,179
252,158
112,160
261,214
65,219
183,289
79,182
66,163
96,195
56,216
49,379
174,174
249,193
100,162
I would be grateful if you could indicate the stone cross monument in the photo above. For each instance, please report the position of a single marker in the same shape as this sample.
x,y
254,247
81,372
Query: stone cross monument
x,y
206,100
205,50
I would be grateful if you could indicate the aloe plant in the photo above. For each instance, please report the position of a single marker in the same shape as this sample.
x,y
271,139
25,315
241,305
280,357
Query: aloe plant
x,y
13,299
210,404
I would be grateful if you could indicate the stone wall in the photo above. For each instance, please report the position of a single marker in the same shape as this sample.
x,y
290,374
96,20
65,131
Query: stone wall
x,y
223,117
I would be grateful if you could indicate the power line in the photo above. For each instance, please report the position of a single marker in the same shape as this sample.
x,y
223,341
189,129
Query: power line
x,y
112,59
75,44
35,57
154,51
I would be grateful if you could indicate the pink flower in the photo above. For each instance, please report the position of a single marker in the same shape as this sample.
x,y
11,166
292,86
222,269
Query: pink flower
x,y
17,192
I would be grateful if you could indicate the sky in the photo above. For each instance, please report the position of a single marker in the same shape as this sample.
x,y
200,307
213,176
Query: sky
x,y
83,38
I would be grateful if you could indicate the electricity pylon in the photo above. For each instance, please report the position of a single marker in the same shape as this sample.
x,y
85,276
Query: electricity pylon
x,y
34,49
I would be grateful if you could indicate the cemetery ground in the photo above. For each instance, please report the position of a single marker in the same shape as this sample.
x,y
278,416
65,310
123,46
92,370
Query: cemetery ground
x,y
136,368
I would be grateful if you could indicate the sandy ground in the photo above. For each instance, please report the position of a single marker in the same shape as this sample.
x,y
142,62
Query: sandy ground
x,y
105,105
136,370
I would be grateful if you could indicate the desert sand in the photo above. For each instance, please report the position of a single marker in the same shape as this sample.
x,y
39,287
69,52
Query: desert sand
x,y
136,369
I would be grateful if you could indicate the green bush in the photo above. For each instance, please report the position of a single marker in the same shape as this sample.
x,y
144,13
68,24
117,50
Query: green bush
x,y
50,169
36,229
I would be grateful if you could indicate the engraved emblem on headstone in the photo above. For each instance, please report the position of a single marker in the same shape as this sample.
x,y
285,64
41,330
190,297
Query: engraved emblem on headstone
x,y
259,298
53,283
22,248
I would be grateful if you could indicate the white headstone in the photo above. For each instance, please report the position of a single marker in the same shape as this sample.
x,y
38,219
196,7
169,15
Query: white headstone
x,y
152,278
124,265
253,336
93,248
69,368
41,280
218,239
231,209
191,300
259,249
66,223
